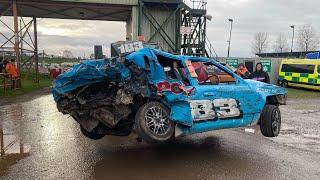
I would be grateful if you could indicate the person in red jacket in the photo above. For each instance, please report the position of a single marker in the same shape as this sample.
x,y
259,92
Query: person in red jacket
x,y
242,71
11,69
201,71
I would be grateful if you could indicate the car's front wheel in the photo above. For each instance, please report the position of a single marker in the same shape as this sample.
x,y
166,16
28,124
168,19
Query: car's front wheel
x,y
284,83
152,122
270,121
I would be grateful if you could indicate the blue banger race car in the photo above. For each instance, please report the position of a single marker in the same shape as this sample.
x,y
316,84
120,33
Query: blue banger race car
x,y
159,96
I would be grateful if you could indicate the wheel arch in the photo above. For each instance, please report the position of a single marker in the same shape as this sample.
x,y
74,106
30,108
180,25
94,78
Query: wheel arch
x,y
278,99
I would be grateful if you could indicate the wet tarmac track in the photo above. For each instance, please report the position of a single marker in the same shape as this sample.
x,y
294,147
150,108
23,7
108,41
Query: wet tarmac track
x,y
41,143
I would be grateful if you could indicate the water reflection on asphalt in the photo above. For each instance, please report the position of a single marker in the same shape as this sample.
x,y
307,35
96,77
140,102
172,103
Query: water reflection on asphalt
x,y
53,148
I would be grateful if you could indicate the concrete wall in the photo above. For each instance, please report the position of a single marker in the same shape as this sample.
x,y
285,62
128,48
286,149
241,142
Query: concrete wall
x,y
122,2
275,64
132,24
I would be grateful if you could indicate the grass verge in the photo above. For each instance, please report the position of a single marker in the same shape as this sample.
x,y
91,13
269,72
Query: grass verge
x,y
28,85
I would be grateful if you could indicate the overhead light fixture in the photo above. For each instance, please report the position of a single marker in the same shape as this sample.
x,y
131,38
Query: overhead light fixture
x,y
208,16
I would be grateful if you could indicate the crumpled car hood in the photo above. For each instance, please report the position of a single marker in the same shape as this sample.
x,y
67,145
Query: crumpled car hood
x,y
86,73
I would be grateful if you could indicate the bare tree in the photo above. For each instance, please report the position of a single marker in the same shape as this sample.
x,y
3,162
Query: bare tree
x,y
281,43
67,54
260,42
308,39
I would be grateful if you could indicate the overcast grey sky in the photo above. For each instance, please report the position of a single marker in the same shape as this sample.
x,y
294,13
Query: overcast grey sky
x,y
250,16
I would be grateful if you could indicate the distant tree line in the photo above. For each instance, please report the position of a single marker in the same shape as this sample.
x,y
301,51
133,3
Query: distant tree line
x,y
307,39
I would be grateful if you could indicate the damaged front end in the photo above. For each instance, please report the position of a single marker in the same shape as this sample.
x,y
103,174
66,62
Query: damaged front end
x,y
101,95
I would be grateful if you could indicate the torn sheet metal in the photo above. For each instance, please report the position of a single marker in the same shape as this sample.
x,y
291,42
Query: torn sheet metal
x,y
86,73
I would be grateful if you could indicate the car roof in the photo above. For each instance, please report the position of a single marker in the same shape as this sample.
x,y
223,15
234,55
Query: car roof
x,y
300,61
146,52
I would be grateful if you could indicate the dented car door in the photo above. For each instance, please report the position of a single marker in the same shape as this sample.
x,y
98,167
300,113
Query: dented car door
x,y
224,101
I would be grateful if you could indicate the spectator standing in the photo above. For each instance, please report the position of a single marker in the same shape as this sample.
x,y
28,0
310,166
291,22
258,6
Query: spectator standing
x,y
243,71
260,75
12,71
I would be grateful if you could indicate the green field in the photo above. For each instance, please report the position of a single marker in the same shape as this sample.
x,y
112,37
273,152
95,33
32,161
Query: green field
x,y
28,85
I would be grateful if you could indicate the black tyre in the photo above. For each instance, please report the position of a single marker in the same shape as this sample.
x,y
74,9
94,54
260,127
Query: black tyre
x,y
284,84
152,122
270,121
95,134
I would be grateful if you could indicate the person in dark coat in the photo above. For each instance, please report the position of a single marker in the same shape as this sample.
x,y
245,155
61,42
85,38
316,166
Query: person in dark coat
x,y
260,75
1,65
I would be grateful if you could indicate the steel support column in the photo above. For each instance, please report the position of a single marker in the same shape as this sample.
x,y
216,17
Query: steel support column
x,y
140,18
1,141
16,33
36,57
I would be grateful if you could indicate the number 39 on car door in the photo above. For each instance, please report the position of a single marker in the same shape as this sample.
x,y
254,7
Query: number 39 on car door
x,y
214,109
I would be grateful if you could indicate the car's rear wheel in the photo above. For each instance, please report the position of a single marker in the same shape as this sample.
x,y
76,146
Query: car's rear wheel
x,y
152,122
270,121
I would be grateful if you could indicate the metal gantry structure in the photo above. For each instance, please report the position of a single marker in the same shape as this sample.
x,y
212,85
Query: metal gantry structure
x,y
20,41
179,26
194,43
18,33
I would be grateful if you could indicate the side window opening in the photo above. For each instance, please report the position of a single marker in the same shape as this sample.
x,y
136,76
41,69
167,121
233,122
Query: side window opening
x,y
319,68
210,74
174,69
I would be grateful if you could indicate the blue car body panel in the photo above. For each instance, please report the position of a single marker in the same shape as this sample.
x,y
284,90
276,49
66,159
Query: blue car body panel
x,y
247,97
86,73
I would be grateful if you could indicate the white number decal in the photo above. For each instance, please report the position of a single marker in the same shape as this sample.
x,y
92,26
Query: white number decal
x,y
226,108
219,108
137,46
122,49
202,109
130,47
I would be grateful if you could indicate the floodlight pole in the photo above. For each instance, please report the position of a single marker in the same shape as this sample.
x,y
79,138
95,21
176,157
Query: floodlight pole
x,y
231,21
36,57
292,38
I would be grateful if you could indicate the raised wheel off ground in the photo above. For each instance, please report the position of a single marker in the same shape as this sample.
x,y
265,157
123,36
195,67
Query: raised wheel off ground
x,y
152,122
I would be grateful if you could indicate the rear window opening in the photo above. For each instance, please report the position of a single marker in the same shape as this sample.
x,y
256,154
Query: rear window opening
x,y
174,69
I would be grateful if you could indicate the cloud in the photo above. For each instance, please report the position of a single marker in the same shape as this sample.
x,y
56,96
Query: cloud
x,y
56,35
78,36
251,16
